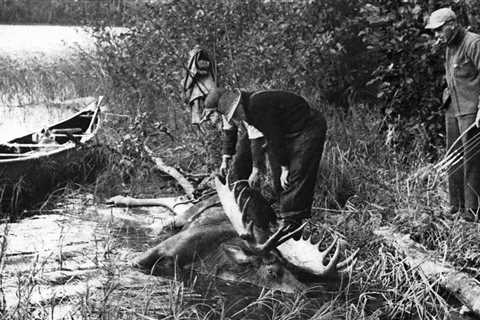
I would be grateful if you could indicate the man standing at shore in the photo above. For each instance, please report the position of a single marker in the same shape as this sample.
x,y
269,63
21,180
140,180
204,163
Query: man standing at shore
x,y
462,73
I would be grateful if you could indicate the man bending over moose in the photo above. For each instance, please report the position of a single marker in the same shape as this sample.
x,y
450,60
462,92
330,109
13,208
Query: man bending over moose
x,y
294,134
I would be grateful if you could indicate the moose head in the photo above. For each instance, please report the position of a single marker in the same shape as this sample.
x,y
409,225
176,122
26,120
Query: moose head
x,y
241,241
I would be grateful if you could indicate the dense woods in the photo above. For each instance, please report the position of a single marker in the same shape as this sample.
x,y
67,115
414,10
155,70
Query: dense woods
x,y
347,52
68,12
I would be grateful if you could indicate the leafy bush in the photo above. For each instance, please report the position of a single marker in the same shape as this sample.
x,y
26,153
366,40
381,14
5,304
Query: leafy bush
x,y
374,52
63,12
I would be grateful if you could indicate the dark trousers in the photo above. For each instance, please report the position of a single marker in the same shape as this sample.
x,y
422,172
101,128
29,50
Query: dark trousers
x,y
305,152
464,177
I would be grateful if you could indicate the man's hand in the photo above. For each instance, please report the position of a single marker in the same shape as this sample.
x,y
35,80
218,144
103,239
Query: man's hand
x,y
477,119
446,99
284,177
254,178
225,164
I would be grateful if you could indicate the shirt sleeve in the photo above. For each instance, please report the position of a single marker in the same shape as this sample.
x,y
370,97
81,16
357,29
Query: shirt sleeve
x,y
473,53
229,137
252,132
257,147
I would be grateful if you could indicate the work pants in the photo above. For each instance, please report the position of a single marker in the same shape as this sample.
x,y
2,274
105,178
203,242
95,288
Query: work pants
x,y
464,177
304,151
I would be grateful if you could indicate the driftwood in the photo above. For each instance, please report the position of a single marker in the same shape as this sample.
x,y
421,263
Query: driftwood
x,y
171,171
183,211
167,202
465,288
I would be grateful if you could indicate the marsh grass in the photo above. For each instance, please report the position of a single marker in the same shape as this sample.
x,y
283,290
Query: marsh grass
x,y
40,80
380,287
363,184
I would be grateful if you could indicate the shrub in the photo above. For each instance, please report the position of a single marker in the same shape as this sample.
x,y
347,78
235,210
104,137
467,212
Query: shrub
x,y
374,52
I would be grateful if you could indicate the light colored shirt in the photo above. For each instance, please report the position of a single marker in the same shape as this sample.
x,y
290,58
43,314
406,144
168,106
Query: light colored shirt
x,y
252,132
462,72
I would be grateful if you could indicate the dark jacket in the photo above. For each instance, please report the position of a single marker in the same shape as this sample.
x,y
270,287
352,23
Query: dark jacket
x,y
277,114
462,70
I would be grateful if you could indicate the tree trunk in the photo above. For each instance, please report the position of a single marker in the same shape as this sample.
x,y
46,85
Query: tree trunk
x,y
465,288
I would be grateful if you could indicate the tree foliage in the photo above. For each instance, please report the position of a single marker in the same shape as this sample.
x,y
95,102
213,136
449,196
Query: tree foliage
x,y
63,11
348,52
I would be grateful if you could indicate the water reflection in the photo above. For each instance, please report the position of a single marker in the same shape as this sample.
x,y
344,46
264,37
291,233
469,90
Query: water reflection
x,y
28,41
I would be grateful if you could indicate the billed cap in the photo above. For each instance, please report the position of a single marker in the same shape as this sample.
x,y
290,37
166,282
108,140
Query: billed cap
x,y
223,101
439,17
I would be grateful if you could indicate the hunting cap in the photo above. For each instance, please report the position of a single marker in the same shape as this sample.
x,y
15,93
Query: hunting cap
x,y
223,101
439,17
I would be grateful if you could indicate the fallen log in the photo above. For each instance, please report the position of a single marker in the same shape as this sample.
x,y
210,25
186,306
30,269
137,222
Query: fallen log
x,y
183,211
171,171
169,203
465,288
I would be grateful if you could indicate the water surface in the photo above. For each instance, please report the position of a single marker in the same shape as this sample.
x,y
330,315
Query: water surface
x,y
18,121
23,42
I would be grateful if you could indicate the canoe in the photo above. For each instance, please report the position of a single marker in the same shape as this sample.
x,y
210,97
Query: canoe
x,y
33,164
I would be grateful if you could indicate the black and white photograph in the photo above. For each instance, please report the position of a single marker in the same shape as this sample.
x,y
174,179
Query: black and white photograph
x,y
240,159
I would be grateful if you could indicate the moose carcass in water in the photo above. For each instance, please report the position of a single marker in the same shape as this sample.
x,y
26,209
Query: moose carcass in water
x,y
235,240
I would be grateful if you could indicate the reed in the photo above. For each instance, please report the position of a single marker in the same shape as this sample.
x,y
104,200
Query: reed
x,y
39,80
362,185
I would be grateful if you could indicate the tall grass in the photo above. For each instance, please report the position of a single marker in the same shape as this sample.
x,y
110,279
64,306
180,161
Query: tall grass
x,y
363,185
38,79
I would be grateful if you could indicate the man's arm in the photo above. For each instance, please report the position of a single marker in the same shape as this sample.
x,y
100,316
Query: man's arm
x,y
473,52
229,138
446,99
229,142
257,142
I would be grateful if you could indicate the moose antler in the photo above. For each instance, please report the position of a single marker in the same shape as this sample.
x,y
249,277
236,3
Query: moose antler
x,y
280,236
230,204
307,256
235,201
301,253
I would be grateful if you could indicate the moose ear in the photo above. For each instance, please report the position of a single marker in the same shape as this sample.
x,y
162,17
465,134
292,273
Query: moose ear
x,y
237,254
